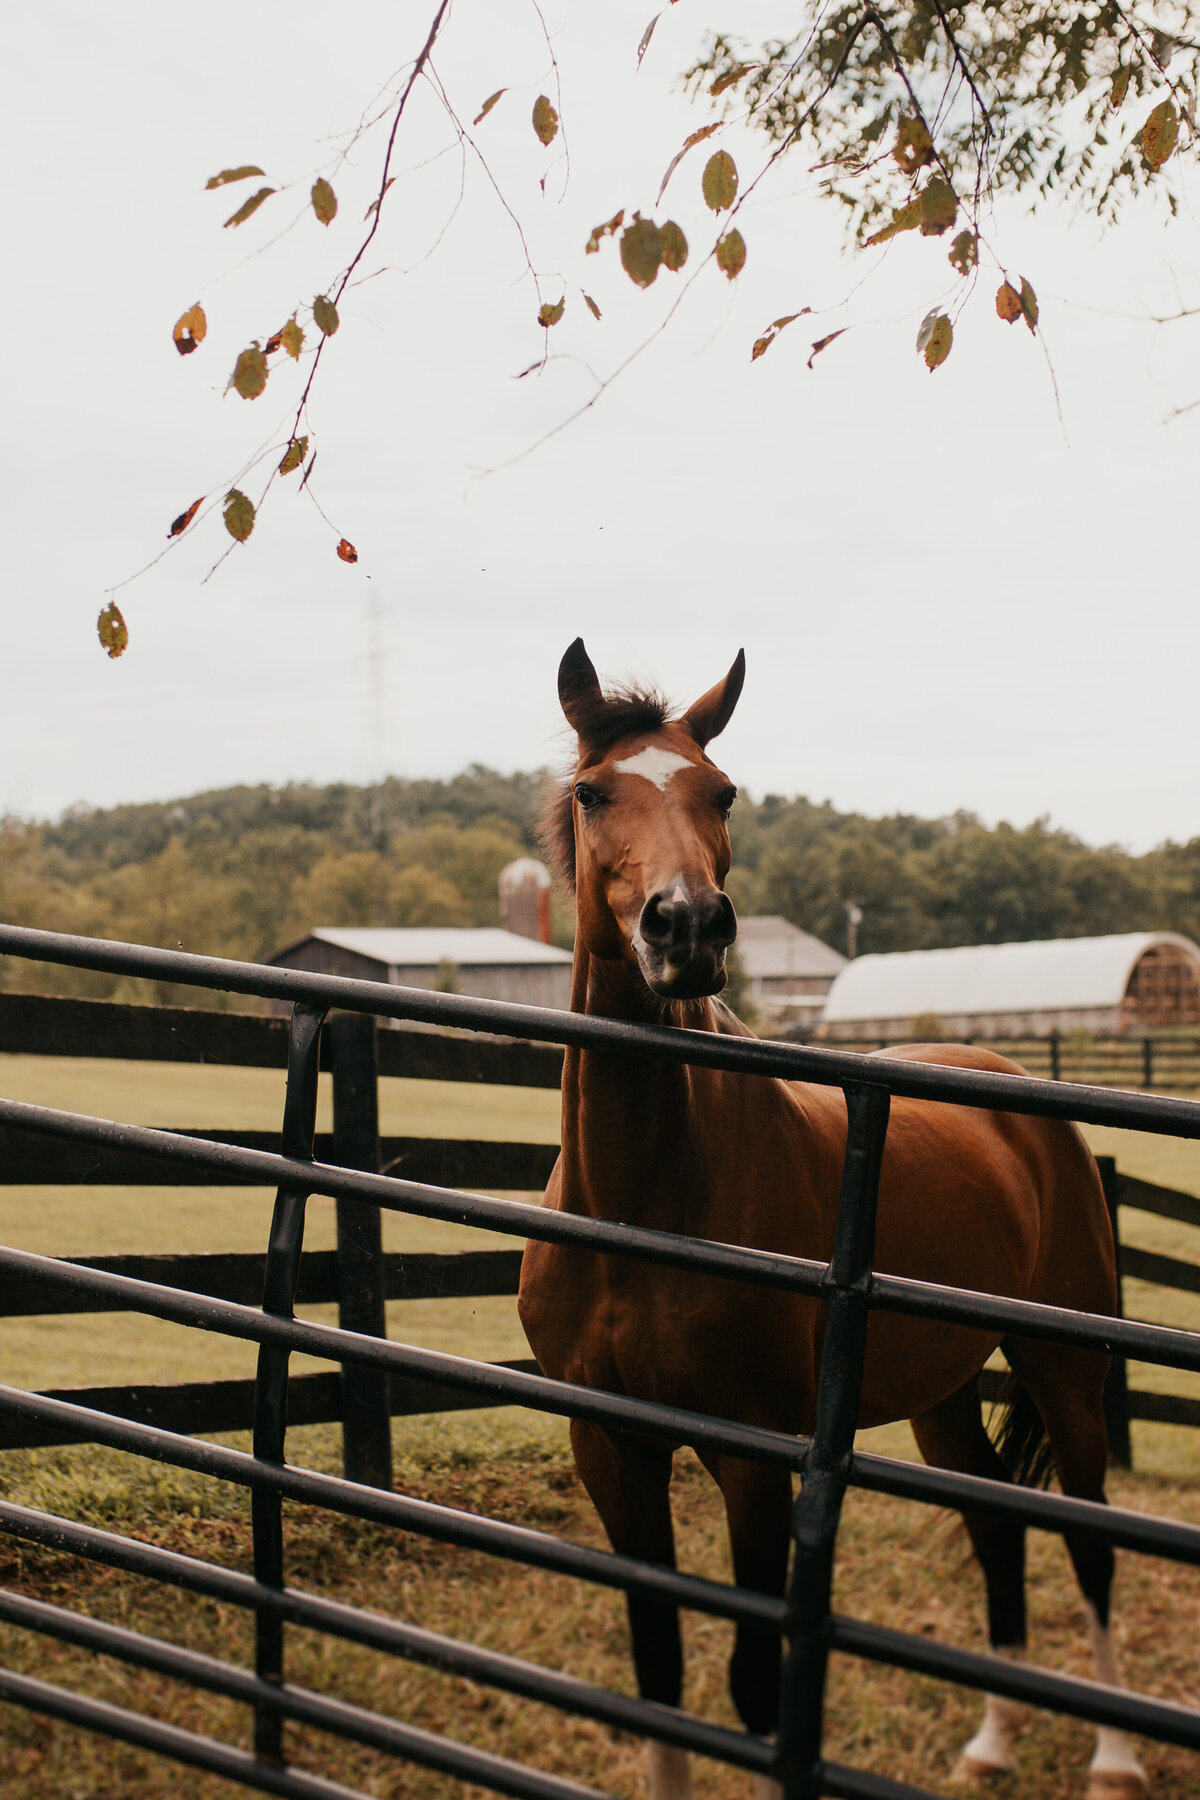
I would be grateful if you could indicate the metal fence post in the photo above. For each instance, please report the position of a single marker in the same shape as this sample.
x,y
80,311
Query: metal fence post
x,y
826,1468
1116,1387
271,1383
366,1418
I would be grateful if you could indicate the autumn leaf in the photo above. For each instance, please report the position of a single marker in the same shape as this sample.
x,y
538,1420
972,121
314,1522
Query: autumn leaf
x,y
1120,87
823,344
487,106
1029,306
112,630
964,252
292,337
719,183
545,120
763,344
731,254
550,314
603,231
249,376
646,36
346,551
324,201
730,77
689,143
190,329
674,247
1008,303
239,515
241,173
932,212
591,306
935,338
272,344
180,525
641,250
913,148
1160,134
326,315
247,207
374,206
294,455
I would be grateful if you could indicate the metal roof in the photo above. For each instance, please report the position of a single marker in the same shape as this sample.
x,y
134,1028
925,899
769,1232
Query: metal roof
x,y
772,946
1059,974
424,946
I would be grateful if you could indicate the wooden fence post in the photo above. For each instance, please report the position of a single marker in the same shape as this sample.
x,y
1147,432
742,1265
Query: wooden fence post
x,y
366,1417
1055,1057
1147,1062
1116,1389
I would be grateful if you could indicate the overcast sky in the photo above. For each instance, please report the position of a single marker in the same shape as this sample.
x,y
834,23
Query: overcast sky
x,y
948,599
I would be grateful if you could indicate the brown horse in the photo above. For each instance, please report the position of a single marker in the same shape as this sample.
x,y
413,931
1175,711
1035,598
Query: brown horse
x,y
985,1200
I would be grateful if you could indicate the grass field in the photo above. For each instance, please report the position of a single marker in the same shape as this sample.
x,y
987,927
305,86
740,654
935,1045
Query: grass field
x,y
900,1565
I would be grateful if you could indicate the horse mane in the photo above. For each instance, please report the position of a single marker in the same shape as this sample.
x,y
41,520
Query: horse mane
x,y
602,719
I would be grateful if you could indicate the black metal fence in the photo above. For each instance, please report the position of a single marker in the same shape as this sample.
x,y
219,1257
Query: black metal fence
x,y
827,1463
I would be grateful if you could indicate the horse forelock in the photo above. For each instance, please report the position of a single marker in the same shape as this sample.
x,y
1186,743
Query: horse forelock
x,y
602,721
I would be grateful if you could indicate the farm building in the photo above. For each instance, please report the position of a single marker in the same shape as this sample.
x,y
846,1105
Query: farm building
x,y
789,971
485,961
1136,980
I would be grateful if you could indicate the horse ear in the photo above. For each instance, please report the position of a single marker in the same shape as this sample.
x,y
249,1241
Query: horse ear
x,y
579,687
711,713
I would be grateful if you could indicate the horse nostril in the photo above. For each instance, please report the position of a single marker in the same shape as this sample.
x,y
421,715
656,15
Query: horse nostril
x,y
719,921
659,921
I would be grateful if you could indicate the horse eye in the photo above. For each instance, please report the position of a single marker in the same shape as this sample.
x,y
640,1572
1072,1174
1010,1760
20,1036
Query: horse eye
x,y
725,800
588,797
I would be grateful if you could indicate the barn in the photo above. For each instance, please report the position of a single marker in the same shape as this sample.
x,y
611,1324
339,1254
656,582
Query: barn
x,y
1137,980
485,961
788,971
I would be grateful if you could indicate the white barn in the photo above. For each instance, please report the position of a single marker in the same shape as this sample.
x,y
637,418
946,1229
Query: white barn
x,y
1136,979
484,961
788,971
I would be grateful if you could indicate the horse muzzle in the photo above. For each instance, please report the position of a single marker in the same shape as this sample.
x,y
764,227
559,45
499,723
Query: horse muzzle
x,y
681,942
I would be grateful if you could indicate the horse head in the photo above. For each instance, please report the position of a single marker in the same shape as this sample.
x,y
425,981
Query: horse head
x,y
643,829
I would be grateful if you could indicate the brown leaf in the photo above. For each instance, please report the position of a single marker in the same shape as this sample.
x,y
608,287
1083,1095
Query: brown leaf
x,y
550,314
1008,303
272,344
249,376
646,36
112,630
939,206
346,551
935,338
190,329
823,344
913,148
487,106
763,344
324,201
1160,134
674,247
326,315
731,254
1029,306
241,173
247,207
545,120
641,250
719,183
180,525
730,77
697,137
239,515
591,306
964,252
603,231
292,337
294,455
374,206
1120,87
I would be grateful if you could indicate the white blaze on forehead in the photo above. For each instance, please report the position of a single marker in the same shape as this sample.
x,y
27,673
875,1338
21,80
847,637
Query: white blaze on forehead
x,y
655,764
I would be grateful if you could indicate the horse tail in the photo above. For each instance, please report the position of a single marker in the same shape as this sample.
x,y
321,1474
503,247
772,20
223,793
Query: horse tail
x,y
1020,1438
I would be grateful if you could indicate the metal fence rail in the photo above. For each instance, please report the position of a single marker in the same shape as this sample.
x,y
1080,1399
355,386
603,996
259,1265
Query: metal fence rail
x,y
828,1463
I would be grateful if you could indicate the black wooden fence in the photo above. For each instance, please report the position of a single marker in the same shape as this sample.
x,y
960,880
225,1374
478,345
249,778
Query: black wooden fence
x,y
827,1463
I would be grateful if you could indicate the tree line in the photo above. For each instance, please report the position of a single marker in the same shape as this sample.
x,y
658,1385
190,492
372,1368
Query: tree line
x,y
243,871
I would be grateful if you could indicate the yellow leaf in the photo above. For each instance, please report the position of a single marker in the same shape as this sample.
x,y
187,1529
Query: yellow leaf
x,y
730,77
1008,303
1029,305
591,306
603,231
719,183
249,376
247,207
914,146
964,252
545,120
239,515
326,315
112,630
324,201
294,455
487,106
1160,134
1120,87
907,219
641,250
550,314
674,247
935,338
939,207
191,329
731,254
227,175
292,337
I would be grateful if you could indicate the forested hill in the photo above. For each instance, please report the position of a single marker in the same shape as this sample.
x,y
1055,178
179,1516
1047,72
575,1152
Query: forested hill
x,y
242,871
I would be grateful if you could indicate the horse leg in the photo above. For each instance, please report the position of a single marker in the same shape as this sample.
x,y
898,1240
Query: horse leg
x,y
758,1509
1068,1388
951,1435
629,1482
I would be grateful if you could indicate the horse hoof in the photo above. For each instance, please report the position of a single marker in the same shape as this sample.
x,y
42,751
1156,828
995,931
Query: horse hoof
x,y
1116,1784
969,1771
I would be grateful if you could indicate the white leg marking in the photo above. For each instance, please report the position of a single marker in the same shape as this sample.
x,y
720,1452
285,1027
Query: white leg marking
x,y
993,1746
1114,1768
668,1772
